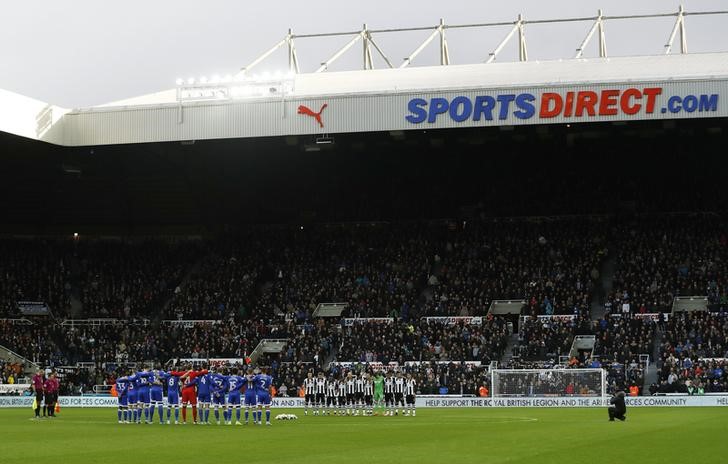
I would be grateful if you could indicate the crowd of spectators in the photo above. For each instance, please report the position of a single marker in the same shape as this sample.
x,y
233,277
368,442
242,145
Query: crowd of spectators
x,y
553,265
402,341
269,281
378,269
223,284
695,353
664,257
34,342
34,270
122,280
10,373
122,343
108,278
541,338
623,339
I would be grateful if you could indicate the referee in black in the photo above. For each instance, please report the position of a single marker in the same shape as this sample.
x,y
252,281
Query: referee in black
x,y
618,408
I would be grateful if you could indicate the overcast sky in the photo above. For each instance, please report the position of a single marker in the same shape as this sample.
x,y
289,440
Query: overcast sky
x,y
78,53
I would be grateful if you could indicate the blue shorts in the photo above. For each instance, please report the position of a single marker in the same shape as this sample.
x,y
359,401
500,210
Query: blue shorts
x,y
203,398
132,397
123,400
143,396
218,399
173,398
263,399
234,398
250,398
156,394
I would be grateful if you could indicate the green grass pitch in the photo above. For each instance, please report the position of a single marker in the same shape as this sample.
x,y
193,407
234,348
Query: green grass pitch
x,y
667,435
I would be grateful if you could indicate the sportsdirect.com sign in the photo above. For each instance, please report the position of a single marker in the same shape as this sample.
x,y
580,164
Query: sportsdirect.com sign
x,y
576,105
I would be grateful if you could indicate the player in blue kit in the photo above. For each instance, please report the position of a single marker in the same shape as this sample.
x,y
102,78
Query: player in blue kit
x,y
263,382
132,398
121,392
203,383
250,399
235,383
219,389
172,383
155,395
143,398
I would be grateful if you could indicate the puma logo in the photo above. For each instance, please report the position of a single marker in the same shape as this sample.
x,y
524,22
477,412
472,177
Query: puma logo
x,y
302,109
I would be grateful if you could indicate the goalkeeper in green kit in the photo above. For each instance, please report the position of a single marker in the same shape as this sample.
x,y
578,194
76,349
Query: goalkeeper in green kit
x,y
378,392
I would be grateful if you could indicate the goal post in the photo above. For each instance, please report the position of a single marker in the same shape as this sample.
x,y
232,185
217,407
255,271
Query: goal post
x,y
548,382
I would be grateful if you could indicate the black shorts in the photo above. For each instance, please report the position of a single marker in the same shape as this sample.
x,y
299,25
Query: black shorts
x,y
398,398
320,398
410,399
359,396
39,397
48,399
330,400
349,398
368,400
310,398
388,398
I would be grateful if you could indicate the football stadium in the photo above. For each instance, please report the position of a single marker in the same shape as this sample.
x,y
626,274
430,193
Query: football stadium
x,y
511,260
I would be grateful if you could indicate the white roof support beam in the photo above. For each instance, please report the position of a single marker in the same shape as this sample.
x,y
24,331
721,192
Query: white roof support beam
x,y
440,29
679,26
262,57
597,26
325,65
444,51
367,49
379,50
517,27
522,52
292,55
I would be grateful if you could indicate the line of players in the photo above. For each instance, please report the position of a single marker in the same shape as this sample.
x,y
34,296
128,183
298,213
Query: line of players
x,y
141,393
360,394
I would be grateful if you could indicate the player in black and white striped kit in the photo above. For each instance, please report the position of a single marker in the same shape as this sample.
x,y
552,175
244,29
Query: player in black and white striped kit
x,y
389,395
332,391
399,383
368,394
359,395
410,389
320,394
350,391
309,388
341,385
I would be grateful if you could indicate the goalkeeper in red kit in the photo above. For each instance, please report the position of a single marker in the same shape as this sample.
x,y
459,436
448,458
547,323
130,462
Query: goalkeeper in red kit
x,y
189,393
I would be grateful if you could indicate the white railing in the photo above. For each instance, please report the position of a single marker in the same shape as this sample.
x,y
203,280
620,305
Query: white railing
x,y
101,321
189,323
517,29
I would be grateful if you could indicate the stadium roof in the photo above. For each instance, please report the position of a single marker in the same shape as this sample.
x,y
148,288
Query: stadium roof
x,y
488,76
365,100
400,97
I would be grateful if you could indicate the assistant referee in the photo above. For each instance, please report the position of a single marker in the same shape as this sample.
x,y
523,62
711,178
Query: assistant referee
x,y
37,386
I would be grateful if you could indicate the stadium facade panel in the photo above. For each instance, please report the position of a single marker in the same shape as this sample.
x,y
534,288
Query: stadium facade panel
x,y
497,94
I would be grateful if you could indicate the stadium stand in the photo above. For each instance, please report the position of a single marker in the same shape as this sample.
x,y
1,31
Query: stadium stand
x,y
424,341
694,353
667,256
222,296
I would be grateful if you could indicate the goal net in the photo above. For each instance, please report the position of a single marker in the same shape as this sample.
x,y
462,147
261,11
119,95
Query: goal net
x,y
548,382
